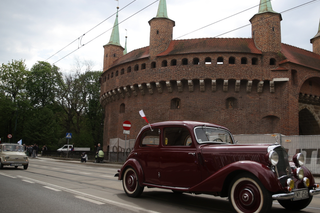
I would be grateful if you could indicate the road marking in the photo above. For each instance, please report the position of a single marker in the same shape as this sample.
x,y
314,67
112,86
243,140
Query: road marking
x,y
84,173
107,176
7,175
28,181
90,200
53,189
115,203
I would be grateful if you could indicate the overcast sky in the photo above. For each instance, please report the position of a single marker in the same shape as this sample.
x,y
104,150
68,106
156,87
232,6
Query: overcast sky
x,y
35,30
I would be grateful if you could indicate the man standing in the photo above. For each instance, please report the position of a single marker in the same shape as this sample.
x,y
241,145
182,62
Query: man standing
x,y
34,150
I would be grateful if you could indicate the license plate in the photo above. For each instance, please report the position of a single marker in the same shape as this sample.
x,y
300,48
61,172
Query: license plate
x,y
16,164
301,194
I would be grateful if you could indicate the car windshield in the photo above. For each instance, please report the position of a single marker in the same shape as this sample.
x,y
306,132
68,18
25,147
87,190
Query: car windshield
x,y
12,148
206,134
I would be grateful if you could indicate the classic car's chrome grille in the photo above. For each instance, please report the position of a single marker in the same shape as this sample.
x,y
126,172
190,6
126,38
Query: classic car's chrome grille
x,y
283,168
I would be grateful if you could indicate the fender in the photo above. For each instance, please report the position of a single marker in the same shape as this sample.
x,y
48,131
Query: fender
x,y
136,166
215,182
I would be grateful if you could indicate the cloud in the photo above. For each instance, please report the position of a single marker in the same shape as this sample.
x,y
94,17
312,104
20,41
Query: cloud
x,y
35,30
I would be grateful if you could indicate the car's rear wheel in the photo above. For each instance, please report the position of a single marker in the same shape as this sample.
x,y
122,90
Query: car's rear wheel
x,y
25,166
247,194
130,183
295,205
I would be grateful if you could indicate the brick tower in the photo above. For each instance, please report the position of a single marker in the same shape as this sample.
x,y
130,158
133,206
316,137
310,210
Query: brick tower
x,y
161,29
266,29
316,42
113,50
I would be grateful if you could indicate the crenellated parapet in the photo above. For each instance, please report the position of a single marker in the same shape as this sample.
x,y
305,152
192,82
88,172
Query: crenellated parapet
x,y
191,86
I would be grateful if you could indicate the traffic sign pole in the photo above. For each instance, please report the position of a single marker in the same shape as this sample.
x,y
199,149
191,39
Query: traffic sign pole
x,y
126,131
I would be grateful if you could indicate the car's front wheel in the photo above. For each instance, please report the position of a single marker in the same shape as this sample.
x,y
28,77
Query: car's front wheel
x,y
130,183
1,165
25,166
295,205
247,194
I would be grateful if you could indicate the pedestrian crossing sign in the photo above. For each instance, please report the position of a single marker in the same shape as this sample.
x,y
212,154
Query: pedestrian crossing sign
x,y
69,135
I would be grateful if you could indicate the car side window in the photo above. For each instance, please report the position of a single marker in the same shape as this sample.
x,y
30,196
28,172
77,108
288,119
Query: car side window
x,y
150,138
177,136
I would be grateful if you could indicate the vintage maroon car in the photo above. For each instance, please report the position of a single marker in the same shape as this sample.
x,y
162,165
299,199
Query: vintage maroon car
x,y
203,158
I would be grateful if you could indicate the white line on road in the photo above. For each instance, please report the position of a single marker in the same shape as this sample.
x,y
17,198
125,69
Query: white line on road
x,y
7,175
90,200
28,181
53,189
107,176
115,203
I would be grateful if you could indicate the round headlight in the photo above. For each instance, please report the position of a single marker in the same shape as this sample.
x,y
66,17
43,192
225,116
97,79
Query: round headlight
x,y
298,159
299,173
273,158
306,182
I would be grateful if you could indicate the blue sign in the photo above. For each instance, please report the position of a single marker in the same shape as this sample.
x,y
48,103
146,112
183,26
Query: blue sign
x,y
69,135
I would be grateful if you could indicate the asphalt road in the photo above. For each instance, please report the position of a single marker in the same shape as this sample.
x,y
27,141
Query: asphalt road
x,y
50,185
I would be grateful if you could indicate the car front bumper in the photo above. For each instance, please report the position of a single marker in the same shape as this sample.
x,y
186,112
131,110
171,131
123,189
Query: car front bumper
x,y
15,163
291,195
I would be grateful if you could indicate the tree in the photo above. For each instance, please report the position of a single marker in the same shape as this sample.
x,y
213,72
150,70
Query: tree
x,y
43,83
13,78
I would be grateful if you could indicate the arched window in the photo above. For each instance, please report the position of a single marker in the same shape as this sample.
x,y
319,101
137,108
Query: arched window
x,y
164,63
128,69
272,61
117,73
196,61
143,66
232,60
108,76
175,103
122,108
112,75
231,103
136,67
185,61
122,71
254,61
244,60
207,60
173,62
220,60
153,65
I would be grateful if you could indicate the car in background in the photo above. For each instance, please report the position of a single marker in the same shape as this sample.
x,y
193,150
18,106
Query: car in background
x,y
12,154
203,158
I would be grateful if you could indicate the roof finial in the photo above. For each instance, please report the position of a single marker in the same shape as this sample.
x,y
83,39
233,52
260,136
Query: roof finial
x,y
114,38
265,6
125,46
162,9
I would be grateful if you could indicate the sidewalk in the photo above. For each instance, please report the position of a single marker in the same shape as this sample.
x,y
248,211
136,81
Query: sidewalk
x,y
90,162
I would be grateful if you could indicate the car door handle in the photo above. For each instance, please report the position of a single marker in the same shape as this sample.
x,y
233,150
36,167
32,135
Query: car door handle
x,y
192,153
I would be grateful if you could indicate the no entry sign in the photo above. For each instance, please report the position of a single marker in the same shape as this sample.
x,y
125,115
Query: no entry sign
x,y
126,125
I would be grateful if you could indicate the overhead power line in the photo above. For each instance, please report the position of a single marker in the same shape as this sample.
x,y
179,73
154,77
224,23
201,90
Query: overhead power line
x,y
106,30
80,38
235,14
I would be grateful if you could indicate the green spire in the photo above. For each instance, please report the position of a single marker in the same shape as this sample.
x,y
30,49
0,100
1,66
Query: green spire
x,y
162,9
114,38
265,6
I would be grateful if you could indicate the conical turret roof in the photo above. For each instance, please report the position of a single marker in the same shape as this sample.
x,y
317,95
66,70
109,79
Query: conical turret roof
x,y
115,38
318,34
162,9
265,6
